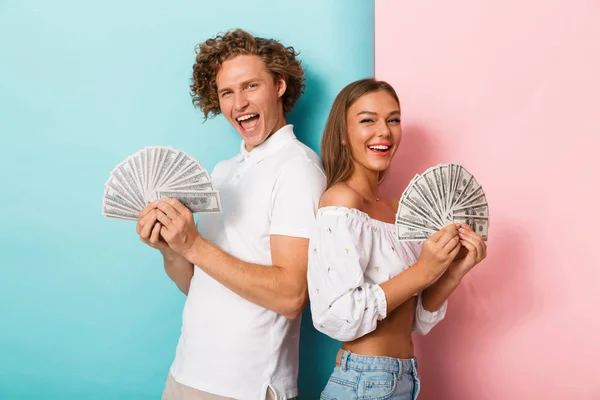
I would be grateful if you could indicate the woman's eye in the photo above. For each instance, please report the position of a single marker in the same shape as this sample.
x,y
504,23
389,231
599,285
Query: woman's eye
x,y
362,121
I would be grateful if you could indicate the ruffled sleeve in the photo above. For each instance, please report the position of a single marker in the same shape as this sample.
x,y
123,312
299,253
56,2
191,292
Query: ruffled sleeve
x,y
426,320
343,305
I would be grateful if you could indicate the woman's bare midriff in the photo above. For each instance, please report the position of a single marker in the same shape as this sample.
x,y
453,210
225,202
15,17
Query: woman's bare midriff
x,y
391,338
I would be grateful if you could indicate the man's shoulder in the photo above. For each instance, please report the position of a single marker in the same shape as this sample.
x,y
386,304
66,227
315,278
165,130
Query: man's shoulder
x,y
298,155
225,164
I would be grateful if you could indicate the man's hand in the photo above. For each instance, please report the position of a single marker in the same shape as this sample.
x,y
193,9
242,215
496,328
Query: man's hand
x,y
151,232
178,228
149,228
476,252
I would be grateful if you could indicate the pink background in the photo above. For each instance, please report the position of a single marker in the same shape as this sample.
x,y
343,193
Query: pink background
x,y
511,90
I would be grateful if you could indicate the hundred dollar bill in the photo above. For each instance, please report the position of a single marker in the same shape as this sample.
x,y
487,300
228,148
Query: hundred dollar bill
x,y
124,175
158,157
114,184
139,170
120,207
180,165
478,224
476,197
142,155
189,171
452,173
168,156
191,179
148,167
112,196
407,216
176,158
469,190
433,187
417,207
133,171
478,210
442,173
202,187
448,177
426,195
463,180
413,198
118,217
117,213
197,202
456,182
412,204
408,234
151,161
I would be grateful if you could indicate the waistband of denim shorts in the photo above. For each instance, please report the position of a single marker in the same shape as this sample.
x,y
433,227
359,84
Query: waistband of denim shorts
x,y
348,360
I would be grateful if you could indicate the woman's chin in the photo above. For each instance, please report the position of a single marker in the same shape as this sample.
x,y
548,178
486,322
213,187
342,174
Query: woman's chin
x,y
379,167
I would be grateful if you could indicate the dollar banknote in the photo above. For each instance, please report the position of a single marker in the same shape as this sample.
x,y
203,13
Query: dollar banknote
x,y
442,195
155,172
196,201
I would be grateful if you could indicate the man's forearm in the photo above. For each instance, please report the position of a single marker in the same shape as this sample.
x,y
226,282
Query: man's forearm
x,y
179,269
271,287
435,295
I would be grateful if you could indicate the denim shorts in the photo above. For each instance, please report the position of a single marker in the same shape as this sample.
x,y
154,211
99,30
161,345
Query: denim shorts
x,y
372,378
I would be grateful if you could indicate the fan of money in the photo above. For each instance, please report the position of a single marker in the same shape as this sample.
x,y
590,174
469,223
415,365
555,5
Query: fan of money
x,y
444,194
153,173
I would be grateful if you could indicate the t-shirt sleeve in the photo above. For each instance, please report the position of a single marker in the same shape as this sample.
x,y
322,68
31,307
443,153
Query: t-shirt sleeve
x,y
295,198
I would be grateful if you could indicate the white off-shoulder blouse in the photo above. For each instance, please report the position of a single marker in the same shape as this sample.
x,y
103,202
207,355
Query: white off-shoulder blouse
x,y
350,254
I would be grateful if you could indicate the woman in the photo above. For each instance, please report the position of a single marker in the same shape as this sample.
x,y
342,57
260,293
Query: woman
x,y
366,288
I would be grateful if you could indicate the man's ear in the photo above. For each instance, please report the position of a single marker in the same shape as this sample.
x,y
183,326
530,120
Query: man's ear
x,y
281,86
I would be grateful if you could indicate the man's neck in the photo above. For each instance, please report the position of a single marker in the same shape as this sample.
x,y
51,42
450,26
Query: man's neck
x,y
280,124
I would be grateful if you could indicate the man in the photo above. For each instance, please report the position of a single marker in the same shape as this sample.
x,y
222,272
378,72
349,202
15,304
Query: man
x,y
245,273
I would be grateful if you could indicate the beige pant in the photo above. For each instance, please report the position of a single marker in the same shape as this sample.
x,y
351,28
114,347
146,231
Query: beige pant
x,y
176,391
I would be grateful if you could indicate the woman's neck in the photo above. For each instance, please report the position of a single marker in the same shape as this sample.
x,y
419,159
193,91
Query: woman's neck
x,y
365,182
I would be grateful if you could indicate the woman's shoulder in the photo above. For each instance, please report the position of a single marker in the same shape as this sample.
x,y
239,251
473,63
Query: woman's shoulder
x,y
341,195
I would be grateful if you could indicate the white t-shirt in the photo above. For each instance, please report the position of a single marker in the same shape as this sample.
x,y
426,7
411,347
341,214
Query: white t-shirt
x,y
228,345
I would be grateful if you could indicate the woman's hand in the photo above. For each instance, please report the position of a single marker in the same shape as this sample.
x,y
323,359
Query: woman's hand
x,y
438,252
476,252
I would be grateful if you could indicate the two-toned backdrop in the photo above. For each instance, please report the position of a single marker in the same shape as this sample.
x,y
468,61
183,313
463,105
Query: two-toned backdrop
x,y
508,89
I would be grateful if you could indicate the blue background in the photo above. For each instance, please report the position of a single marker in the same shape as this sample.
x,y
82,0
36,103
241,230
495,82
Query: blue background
x,y
86,310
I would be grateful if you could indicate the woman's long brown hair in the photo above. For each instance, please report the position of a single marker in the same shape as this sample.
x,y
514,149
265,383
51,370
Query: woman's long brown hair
x,y
337,156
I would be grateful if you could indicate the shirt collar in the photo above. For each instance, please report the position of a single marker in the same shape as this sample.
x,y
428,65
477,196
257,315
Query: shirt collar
x,y
270,146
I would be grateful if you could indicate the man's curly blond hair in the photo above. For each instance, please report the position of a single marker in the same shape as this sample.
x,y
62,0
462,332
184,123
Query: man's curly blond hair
x,y
281,62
